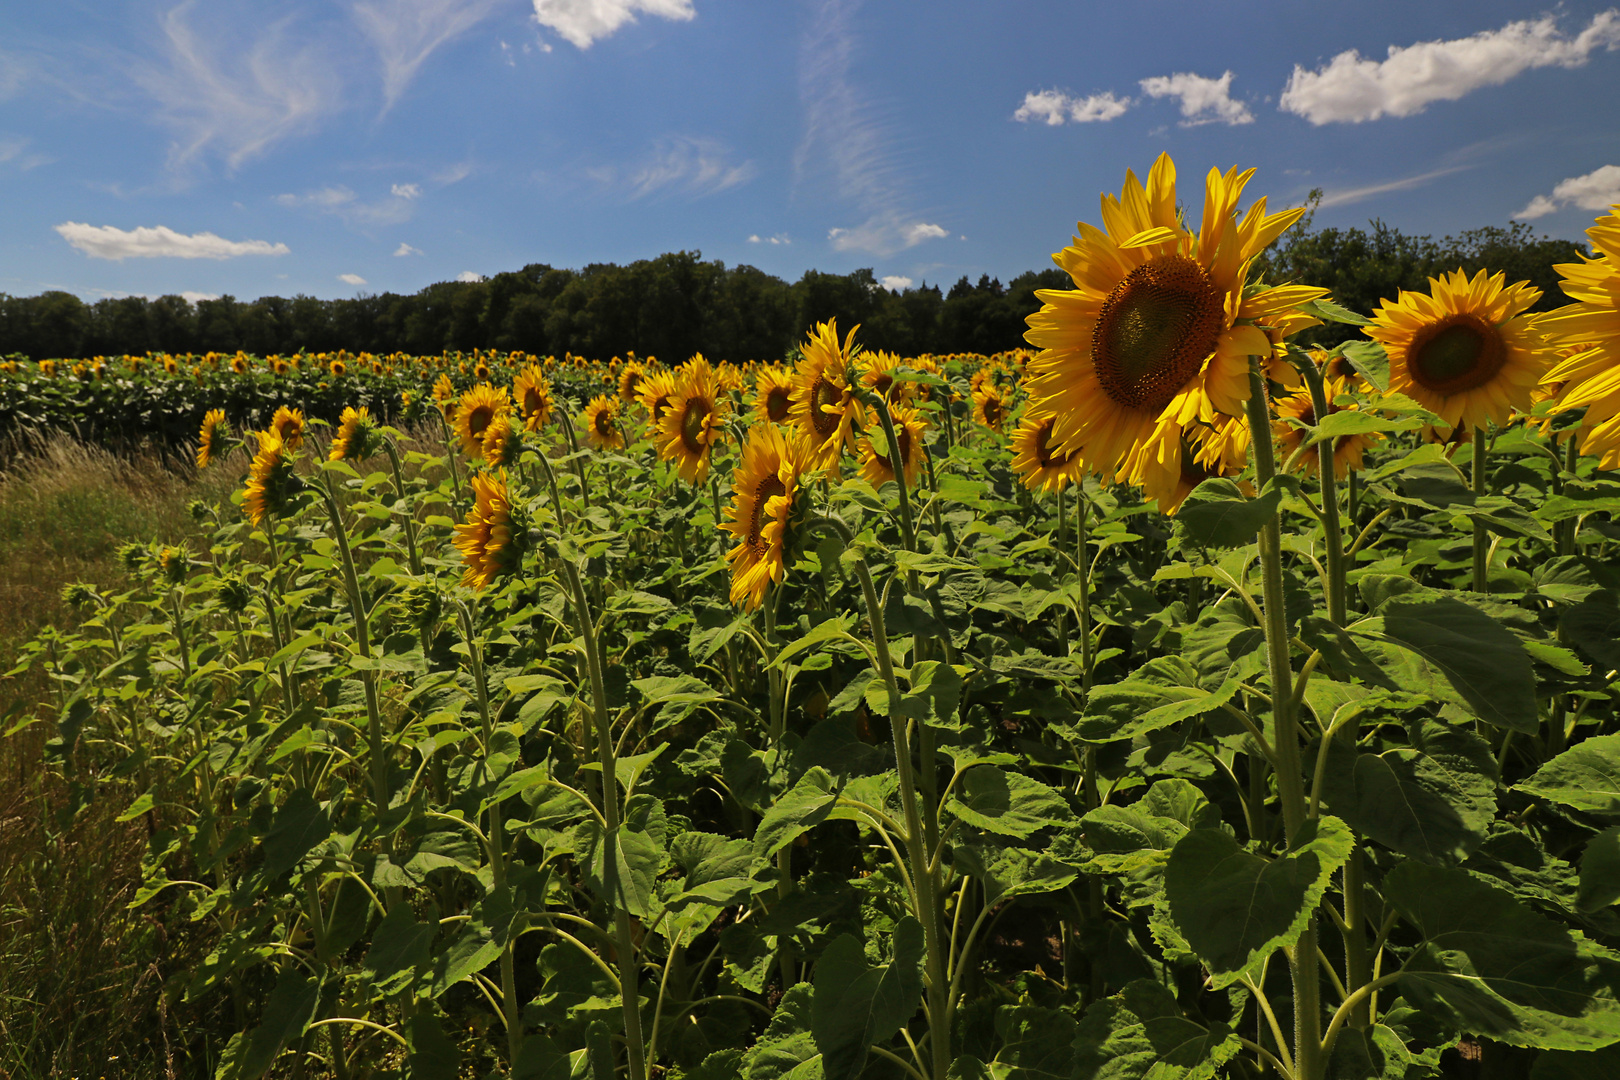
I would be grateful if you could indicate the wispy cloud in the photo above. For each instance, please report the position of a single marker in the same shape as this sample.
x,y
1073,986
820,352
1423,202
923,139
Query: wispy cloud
x,y
1351,88
584,22
1346,196
235,99
1054,107
15,152
340,201
1203,100
845,138
779,238
110,242
1597,190
406,32
679,164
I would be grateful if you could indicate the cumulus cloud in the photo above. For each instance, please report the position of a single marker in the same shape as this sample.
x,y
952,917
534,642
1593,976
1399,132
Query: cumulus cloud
x,y
352,279
195,298
1351,88
1597,190
884,235
895,282
342,202
470,277
405,249
110,242
1203,100
1054,107
779,238
583,22
406,32
678,165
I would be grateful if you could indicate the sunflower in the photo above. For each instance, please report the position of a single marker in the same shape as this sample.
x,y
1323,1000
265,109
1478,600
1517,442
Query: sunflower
x,y
337,368
356,435
693,421
532,393
1593,375
1153,322
824,406
877,375
991,404
239,364
1348,450
288,425
657,390
773,395
1203,452
1467,352
271,483
501,443
630,380
444,396
211,439
1041,465
491,539
478,406
601,423
876,468
762,502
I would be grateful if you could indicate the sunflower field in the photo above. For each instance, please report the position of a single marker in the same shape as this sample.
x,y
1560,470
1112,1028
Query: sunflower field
x,y
1174,699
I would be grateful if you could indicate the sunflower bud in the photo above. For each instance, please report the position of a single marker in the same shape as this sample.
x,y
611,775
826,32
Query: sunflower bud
x,y
79,594
134,556
234,594
175,562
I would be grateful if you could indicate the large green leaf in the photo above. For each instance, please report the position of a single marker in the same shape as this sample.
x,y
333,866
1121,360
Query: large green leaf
x,y
1490,966
400,948
856,1005
1584,777
299,825
1600,871
1234,908
1007,803
1218,515
806,805
787,1048
287,1012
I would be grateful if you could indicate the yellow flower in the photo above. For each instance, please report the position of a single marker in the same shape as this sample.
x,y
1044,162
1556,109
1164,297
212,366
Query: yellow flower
x,y
601,423
773,395
338,368
489,540
1203,451
657,390
876,468
288,425
1041,465
354,435
1348,450
1467,352
630,381
444,396
1153,327
210,440
1592,375
270,482
824,406
239,364
693,421
502,445
990,405
532,393
762,502
478,406
877,375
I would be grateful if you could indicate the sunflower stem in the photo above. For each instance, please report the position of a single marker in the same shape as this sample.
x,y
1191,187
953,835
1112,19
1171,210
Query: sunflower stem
x,y
784,858
897,465
579,463
450,457
1565,537
1482,537
1332,530
408,518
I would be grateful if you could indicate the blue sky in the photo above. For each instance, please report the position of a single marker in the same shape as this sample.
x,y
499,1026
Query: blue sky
x,y
330,147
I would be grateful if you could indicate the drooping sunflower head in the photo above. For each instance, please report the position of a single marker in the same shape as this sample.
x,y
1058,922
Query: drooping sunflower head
x,y
271,482
532,392
630,381
1159,318
1467,350
760,517
233,592
991,404
288,424
773,395
1038,462
494,537
825,409
601,423
1297,409
693,421
357,435
502,443
909,426
174,562
476,410
211,439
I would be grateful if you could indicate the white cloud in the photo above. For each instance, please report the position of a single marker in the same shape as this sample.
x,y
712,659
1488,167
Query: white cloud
x,y
582,22
109,242
342,202
406,191
779,238
683,164
469,276
1346,196
884,235
14,151
1351,89
405,249
195,298
405,33
236,98
1597,190
1054,107
1203,100
894,282
352,279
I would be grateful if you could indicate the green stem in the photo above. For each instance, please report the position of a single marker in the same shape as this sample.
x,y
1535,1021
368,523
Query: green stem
x,y
778,728
409,516
1482,537
1357,961
1332,531
579,463
1565,537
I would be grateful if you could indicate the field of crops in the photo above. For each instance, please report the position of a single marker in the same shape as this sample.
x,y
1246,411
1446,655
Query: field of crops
x,y
1171,700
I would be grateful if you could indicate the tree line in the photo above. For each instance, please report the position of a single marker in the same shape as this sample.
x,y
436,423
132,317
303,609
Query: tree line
x,y
677,304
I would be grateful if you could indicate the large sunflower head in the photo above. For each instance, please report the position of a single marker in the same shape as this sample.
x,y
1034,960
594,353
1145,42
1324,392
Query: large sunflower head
x,y
357,435
693,421
1467,351
630,381
532,393
1159,319
601,423
288,424
494,536
825,408
474,413
271,482
502,443
876,468
991,403
1348,450
761,511
211,439
1040,464
773,395
1591,376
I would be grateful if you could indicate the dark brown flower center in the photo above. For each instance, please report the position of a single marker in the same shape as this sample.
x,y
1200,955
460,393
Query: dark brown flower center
x,y
479,419
1045,453
824,393
882,384
692,422
533,403
660,406
1458,353
777,401
767,489
1155,331
1192,473
603,423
